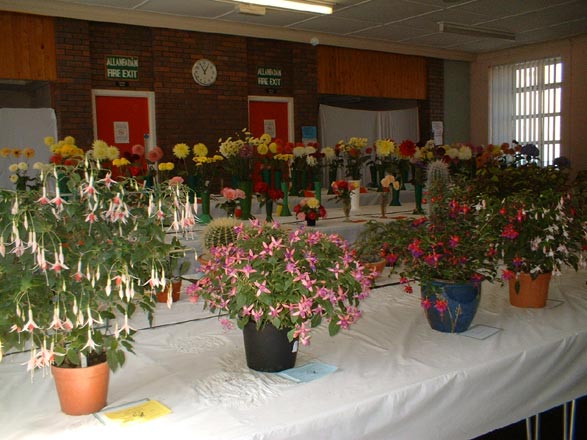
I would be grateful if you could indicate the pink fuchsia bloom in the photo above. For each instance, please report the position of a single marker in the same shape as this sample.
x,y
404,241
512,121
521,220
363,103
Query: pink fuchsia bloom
x,y
441,305
507,274
275,311
257,314
426,303
261,288
302,332
226,324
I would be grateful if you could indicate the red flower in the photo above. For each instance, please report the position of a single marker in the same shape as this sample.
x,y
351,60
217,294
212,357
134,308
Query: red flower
x,y
407,148
311,215
261,187
275,194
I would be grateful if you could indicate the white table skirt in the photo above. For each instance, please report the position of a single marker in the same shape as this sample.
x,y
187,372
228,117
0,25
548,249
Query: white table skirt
x,y
396,378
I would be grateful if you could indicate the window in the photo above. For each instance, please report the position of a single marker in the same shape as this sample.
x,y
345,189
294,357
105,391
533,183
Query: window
x,y
526,105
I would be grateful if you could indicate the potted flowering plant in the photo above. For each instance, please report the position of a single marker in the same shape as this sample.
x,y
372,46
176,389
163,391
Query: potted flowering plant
x,y
283,283
448,253
309,209
74,268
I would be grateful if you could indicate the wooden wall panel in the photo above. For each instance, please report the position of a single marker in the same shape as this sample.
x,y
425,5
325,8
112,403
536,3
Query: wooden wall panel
x,y
27,47
354,72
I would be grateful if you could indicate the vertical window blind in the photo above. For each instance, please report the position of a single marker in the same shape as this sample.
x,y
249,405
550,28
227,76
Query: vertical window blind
x,y
526,105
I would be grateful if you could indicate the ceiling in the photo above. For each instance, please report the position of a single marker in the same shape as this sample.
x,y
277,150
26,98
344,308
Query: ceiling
x,y
405,26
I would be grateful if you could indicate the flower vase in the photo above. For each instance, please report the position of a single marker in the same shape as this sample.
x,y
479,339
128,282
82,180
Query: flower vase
x,y
310,222
418,190
395,197
191,183
230,211
269,210
356,196
346,209
303,182
332,174
247,187
269,349
318,191
266,176
383,202
149,181
285,212
450,306
204,217
373,173
278,178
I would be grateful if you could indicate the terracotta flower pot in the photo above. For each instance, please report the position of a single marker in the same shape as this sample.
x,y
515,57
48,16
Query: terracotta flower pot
x,y
82,390
378,266
175,292
528,293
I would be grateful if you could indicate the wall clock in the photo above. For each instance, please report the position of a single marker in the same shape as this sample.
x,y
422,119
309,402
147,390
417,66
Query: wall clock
x,y
204,72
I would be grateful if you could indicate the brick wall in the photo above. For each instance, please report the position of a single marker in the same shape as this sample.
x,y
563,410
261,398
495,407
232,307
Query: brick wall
x,y
72,92
432,109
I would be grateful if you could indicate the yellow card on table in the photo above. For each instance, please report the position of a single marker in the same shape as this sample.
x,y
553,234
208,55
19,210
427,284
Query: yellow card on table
x,y
136,412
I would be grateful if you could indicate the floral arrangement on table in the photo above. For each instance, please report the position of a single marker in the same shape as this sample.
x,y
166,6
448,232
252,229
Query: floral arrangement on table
x,y
239,154
232,199
266,194
64,152
420,160
355,155
342,190
204,164
20,167
305,165
85,261
309,209
459,157
289,279
332,161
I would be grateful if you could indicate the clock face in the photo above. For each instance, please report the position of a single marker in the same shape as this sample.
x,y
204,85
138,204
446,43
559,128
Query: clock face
x,y
204,72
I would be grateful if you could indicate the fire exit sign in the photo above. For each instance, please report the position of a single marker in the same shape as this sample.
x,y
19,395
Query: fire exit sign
x,y
122,68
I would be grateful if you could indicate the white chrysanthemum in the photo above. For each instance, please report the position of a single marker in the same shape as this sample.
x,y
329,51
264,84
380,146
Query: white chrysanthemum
x,y
299,151
309,150
329,153
13,168
452,152
465,153
23,166
311,161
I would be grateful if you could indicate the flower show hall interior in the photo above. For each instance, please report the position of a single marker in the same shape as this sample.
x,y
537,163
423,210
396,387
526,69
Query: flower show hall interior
x,y
231,219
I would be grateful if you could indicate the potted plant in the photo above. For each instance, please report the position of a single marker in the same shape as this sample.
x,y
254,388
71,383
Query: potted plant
x,y
281,283
449,253
74,268
536,219
309,209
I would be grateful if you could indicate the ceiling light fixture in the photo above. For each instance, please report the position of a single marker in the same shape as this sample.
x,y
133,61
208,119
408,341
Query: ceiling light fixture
x,y
471,31
293,5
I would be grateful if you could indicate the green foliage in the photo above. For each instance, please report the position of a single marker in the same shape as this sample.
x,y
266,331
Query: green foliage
x,y
75,267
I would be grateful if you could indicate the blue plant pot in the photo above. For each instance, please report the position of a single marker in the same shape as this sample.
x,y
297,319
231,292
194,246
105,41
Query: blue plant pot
x,y
451,306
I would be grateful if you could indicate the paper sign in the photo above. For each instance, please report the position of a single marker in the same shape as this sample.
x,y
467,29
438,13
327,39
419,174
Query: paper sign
x,y
308,372
135,412
269,127
121,132
481,332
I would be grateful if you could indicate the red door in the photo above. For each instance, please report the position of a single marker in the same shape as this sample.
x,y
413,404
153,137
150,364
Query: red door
x,y
269,114
122,121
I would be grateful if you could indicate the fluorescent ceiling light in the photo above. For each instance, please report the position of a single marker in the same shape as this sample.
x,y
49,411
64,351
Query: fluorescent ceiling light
x,y
471,31
294,5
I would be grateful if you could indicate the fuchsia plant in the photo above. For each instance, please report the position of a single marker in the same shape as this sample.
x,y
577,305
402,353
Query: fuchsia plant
x,y
291,279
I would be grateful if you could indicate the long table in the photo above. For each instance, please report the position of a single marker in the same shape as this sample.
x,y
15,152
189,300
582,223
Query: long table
x,y
395,377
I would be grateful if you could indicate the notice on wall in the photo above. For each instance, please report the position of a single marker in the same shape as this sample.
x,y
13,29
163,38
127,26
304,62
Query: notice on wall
x,y
309,134
269,127
121,135
438,132
124,68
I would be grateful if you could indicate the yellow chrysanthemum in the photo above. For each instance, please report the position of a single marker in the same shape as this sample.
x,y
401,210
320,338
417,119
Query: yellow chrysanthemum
x,y
218,158
112,153
49,140
166,166
5,152
200,150
69,140
28,152
262,149
16,152
181,151
121,162
313,203
265,138
273,147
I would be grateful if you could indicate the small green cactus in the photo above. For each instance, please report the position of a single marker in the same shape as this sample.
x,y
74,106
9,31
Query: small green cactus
x,y
220,231
437,181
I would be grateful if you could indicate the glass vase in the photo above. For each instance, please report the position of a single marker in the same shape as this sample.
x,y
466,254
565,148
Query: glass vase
x,y
204,217
418,190
346,209
285,212
269,210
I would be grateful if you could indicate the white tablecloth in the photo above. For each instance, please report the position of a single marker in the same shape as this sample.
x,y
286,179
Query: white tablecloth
x,y
396,378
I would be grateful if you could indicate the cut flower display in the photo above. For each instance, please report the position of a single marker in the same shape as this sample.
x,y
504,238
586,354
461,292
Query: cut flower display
x,y
309,209
291,279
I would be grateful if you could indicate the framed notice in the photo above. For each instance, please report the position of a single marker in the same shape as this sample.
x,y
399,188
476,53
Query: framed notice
x,y
121,135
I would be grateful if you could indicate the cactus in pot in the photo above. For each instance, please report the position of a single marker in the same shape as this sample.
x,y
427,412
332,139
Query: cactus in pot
x,y
438,181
